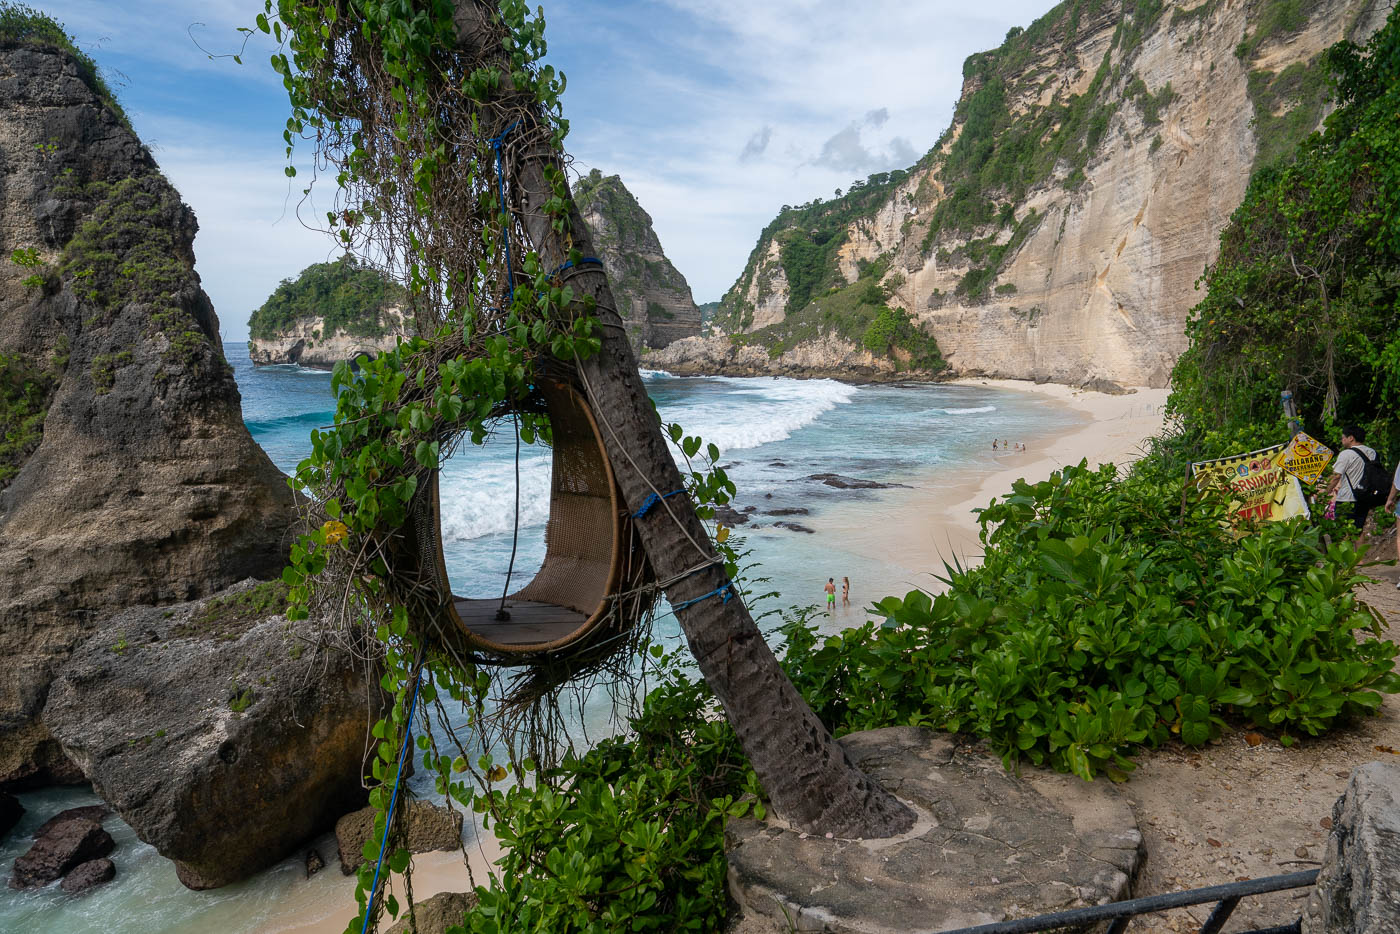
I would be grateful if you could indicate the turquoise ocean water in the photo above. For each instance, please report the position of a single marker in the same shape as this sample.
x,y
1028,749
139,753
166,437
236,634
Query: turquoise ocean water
x,y
773,434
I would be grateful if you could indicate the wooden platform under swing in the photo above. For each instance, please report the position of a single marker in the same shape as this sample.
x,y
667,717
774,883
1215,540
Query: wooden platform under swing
x,y
591,553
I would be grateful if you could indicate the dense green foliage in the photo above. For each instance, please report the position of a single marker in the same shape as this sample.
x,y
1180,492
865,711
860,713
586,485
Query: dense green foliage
x,y
628,836
26,386
1305,294
809,236
21,23
348,296
1100,622
856,313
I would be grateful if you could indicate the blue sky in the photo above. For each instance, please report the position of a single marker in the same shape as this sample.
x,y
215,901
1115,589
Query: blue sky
x,y
714,113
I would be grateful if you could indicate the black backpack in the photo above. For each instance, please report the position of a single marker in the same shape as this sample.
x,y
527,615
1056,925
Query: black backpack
x,y
1375,483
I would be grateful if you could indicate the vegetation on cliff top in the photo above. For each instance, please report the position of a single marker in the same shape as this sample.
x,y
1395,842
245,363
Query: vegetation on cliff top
x,y
347,295
1305,294
20,23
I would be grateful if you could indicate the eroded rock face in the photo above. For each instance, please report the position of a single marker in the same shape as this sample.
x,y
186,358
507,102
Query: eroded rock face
x,y
829,357
429,827
653,298
987,846
1358,887
60,850
307,344
434,916
226,754
144,487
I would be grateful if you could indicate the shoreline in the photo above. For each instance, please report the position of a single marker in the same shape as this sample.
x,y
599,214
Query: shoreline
x,y
932,521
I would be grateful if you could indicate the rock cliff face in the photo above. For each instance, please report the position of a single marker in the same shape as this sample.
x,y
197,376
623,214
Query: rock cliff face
x,y
308,343
1057,229
654,299
135,481
827,357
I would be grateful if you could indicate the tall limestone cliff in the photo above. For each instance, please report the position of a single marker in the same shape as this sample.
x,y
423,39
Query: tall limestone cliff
x,y
126,474
1056,230
656,304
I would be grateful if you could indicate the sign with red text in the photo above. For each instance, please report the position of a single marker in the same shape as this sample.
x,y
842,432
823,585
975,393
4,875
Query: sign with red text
x,y
1259,488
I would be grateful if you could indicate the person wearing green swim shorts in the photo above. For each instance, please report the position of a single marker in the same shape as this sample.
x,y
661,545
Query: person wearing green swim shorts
x,y
830,589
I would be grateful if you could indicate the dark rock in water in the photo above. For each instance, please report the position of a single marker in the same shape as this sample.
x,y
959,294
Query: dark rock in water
x,y
92,812
792,526
851,483
10,813
767,495
748,509
225,754
789,511
444,910
89,875
59,851
730,516
776,464
430,827
314,863
144,486
1360,875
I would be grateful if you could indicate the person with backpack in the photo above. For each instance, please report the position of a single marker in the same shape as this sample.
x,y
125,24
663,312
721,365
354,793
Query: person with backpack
x,y
1359,482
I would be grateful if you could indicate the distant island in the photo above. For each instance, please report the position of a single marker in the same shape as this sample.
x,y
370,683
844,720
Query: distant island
x,y
330,312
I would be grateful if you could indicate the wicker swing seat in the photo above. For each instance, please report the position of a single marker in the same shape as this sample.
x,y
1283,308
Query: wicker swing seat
x,y
590,553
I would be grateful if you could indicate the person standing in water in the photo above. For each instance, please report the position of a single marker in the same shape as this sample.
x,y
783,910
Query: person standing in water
x,y
830,589
845,592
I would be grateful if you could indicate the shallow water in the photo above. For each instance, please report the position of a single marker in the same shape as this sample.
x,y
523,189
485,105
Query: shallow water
x,y
773,434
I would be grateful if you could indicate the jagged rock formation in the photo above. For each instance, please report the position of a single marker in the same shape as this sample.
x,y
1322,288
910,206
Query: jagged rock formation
x,y
654,299
135,480
223,734
827,357
1057,229
329,313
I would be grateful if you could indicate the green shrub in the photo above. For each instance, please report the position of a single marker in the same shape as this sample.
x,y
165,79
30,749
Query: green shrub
x,y
350,297
1100,622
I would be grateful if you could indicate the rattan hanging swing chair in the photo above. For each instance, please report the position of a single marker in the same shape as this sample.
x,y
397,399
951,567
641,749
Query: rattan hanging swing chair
x,y
591,589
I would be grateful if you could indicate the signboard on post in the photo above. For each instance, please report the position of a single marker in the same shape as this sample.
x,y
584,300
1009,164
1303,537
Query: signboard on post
x,y
1305,457
1260,489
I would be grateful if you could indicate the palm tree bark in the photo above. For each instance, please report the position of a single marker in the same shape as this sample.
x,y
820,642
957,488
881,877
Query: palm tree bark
x,y
806,773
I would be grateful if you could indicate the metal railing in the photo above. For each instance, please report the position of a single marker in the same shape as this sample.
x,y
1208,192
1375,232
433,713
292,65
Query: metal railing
x,y
1226,898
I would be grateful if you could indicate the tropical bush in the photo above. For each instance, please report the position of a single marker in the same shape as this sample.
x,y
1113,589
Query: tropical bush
x,y
349,296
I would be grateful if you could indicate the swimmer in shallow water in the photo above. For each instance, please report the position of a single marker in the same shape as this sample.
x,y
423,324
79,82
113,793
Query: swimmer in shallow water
x,y
830,589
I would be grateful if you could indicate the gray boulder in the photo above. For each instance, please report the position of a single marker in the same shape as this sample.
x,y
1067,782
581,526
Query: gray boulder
x,y
89,875
225,742
429,827
92,812
56,853
1358,887
437,914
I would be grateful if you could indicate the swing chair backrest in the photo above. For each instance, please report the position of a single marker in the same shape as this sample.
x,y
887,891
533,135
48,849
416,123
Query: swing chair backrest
x,y
586,542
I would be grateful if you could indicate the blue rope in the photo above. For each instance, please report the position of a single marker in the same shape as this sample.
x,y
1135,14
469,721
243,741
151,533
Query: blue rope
x,y
727,591
586,261
389,821
651,500
496,142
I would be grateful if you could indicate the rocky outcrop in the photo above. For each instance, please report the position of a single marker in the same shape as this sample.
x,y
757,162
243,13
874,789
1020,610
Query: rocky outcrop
x,y
426,827
1360,875
225,742
1106,147
138,482
89,875
653,298
60,850
987,846
307,343
829,357
436,915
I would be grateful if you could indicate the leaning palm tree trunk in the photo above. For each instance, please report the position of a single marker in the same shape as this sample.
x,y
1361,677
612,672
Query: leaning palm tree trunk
x,y
807,775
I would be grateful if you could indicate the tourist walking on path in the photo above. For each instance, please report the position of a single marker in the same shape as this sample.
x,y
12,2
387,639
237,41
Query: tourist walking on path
x,y
1348,472
1390,507
845,591
830,589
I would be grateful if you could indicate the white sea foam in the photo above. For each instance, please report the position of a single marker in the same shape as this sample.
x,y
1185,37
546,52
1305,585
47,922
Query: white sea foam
x,y
769,409
646,374
977,411
478,493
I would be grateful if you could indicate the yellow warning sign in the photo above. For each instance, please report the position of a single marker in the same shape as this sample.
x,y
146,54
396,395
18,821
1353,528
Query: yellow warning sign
x,y
1260,490
1305,457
